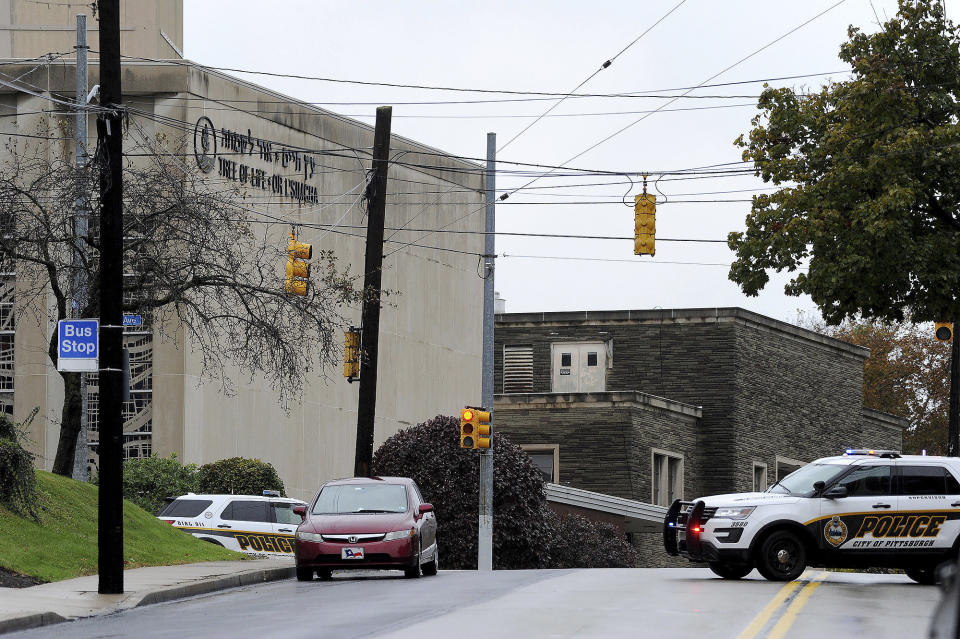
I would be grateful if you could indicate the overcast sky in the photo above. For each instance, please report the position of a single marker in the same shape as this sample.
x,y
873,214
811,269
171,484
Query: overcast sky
x,y
552,47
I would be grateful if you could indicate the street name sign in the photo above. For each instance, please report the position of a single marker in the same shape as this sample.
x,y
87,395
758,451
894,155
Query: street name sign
x,y
133,320
78,345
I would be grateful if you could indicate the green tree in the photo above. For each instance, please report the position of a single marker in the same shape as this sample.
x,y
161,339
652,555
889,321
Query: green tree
x,y
148,481
238,476
907,374
867,210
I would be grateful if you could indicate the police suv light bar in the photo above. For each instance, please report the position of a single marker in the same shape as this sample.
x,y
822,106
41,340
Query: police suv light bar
x,y
889,454
271,493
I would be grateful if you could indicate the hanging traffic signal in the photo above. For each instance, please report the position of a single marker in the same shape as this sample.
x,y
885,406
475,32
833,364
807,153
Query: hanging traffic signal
x,y
482,429
943,331
298,270
351,354
474,428
645,224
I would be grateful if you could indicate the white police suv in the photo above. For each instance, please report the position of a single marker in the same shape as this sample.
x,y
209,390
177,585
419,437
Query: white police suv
x,y
865,508
261,525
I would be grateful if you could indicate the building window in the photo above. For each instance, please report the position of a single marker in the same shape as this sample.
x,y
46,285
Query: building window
x,y
591,359
566,359
518,369
667,477
546,457
759,477
786,465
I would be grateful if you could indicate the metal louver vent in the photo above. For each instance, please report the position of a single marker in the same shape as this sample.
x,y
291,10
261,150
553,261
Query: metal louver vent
x,y
517,369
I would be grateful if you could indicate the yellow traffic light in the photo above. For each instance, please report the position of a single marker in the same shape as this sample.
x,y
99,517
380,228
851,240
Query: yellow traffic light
x,y
645,224
483,429
474,428
943,331
298,270
351,354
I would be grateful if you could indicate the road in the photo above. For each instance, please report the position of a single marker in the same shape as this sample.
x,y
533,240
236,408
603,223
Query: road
x,y
670,602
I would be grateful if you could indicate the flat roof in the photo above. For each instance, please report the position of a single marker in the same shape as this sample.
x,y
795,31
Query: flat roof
x,y
677,316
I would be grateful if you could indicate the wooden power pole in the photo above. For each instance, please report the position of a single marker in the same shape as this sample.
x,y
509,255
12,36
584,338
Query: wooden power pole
x,y
373,267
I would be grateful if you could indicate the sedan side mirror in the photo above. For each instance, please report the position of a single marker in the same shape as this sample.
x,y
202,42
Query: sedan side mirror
x,y
300,510
426,508
835,492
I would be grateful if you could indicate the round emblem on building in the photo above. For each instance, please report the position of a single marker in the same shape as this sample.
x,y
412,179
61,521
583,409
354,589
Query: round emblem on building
x,y
835,531
205,144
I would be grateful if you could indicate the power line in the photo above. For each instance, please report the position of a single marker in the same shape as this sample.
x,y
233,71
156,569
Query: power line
x,y
544,95
608,259
603,66
469,117
711,78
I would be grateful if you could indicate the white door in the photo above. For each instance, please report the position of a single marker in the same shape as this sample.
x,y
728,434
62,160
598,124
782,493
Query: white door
x,y
579,367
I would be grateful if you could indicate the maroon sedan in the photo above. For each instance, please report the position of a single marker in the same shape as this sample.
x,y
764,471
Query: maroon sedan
x,y
372,523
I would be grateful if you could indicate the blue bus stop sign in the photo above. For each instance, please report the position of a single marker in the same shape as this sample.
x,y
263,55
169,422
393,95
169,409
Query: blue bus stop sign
x,y
78,345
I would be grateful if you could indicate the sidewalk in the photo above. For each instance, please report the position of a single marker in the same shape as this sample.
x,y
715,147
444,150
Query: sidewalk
x,y
22,608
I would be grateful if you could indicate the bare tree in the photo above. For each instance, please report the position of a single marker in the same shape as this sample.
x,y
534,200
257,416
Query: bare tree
x,y
196,258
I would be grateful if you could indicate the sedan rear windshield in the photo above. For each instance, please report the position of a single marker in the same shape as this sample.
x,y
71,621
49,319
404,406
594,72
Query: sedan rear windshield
x,y
800,482
353,498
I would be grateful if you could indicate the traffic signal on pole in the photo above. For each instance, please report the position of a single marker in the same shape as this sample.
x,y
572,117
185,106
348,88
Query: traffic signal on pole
x,y
351,354
645,224
943,331
298,269
474,428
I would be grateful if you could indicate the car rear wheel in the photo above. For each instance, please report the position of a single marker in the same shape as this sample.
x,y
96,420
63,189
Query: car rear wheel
x,y
730,571
782,557
925,576
304,574
430,568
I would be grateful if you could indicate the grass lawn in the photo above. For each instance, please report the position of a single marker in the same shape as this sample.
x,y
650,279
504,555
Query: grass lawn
x,y
64,542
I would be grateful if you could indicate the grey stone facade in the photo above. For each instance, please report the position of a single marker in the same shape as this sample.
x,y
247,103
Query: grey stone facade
x,y
727,389
766,391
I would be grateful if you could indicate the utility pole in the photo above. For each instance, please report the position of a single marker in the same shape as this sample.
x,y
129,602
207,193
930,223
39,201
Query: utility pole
x,y
952,443
373,266
80,228
485,538
110,130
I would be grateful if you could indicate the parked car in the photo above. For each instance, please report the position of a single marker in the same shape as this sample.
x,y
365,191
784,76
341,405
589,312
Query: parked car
x,y
865,508
373,523
261,525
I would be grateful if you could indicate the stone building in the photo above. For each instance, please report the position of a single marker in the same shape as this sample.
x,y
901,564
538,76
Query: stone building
x,y
304,165
654,405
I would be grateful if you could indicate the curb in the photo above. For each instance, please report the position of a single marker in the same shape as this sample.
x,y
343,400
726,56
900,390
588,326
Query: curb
x,y
27,622
36,620
213,585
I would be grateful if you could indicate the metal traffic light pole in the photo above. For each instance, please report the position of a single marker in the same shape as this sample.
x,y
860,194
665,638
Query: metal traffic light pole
x,y
485,534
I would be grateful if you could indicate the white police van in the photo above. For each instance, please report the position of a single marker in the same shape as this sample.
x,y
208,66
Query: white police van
x,y
261,525
865,508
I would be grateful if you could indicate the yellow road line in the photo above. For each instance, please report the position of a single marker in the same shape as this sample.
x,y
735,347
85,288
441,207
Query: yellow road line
x,y
764,616
790,615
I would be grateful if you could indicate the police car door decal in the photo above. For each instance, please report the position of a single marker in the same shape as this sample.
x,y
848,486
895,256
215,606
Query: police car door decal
x,y
842,524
